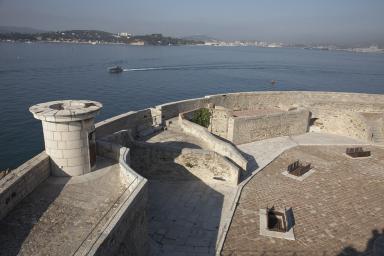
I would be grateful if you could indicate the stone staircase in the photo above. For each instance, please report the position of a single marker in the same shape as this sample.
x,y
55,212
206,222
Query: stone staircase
x,y
377,131
377,135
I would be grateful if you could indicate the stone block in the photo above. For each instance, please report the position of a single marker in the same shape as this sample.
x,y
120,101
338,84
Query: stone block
x,y
74,135
72,144
61,162
51,144
62,127
76,161
50,126
72,153
88,125
56,153
74,126
48,135
56,135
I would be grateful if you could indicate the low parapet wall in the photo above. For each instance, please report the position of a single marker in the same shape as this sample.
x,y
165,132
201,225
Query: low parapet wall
x,y
357,102
213,143
136,121
20,182
252,128
173,109
126,232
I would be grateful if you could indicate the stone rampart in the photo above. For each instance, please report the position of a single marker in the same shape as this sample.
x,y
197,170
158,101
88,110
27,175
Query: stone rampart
x,y
338,113
136,121
20,182
173,109
142,120
252,128
357,102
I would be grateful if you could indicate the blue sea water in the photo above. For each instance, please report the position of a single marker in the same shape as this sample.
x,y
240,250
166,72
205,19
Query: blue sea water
x,y
40,72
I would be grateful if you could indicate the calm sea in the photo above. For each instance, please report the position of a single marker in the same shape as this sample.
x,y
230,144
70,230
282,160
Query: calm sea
x,y
39,72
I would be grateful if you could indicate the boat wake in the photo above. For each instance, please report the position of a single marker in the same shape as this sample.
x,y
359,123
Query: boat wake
x,y
141,69
209,67
189,67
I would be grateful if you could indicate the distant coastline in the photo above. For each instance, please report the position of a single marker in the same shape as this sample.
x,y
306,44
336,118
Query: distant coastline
x,y
94,37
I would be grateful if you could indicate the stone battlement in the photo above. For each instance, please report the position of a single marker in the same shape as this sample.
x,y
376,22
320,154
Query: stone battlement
x,y
195,173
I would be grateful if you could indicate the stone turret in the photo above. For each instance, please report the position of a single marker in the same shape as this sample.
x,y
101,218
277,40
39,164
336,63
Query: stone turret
x,y
68,127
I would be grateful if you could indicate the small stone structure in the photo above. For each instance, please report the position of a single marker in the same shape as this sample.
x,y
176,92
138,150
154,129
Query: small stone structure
x,y
68,127
298,168
276,220
277,223
357,152
247,125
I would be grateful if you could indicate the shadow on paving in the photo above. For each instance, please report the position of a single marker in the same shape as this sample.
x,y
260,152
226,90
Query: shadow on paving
x,y
374,247
18,224
184,212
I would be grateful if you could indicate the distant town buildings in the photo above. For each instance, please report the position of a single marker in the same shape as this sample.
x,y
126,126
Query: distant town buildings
x,y
244,43
124,34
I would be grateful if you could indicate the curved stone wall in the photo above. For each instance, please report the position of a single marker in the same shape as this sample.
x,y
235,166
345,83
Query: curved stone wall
x,y
213,143
156,160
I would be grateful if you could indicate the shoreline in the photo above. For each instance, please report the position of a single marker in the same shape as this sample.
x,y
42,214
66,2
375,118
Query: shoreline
x,y
351,50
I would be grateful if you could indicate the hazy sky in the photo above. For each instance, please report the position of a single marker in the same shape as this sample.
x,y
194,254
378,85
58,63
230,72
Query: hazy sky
x,y
334,21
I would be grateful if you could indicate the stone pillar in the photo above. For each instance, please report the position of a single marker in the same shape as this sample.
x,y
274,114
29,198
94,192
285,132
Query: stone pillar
x,y
69,138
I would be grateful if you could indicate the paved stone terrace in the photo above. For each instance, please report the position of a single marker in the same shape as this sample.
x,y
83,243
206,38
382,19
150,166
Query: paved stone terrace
x,y
185,216
338,210
60,213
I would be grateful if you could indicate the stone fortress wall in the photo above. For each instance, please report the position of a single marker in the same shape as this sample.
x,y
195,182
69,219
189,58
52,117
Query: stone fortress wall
x,y
245,129
331,112
338,113
22,181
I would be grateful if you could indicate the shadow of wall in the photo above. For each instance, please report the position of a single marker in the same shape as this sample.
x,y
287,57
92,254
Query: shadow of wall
x,y
374,247
18,224
184,212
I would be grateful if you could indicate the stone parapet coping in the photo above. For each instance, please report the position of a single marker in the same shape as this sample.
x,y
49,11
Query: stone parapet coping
x,y
66,110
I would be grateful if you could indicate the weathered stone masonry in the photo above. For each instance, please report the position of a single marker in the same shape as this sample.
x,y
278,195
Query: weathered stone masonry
x,y
69,135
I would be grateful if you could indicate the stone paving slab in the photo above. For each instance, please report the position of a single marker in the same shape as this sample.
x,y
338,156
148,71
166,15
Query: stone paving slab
x,y
185,216
338,210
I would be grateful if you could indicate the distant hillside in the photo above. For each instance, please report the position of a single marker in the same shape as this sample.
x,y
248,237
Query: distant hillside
x,y
95,36
24,30
200,38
